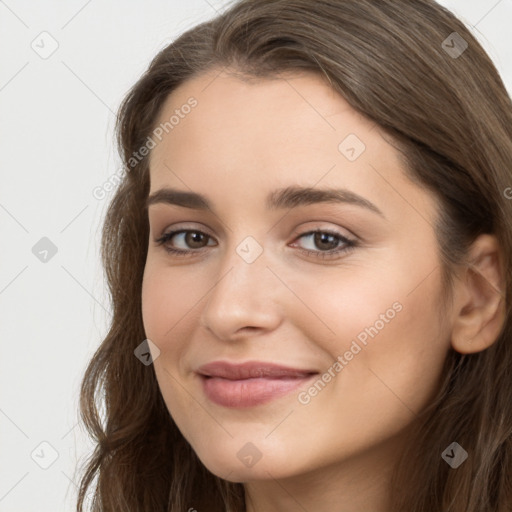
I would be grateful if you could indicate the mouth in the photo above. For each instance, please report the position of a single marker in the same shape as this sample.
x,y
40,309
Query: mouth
x,y
250,384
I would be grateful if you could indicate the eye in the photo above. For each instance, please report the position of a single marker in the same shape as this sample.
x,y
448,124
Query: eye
x,y
327,241
192,238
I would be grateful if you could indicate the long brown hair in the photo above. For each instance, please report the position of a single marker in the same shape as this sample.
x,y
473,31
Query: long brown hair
x,y
447,111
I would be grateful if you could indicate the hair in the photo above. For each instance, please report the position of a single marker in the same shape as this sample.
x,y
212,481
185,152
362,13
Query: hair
x,y
450,120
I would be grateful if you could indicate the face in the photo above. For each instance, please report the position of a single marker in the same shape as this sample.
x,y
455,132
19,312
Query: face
x,y
321,310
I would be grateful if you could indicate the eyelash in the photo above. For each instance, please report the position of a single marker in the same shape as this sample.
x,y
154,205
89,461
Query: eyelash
x,y
349,244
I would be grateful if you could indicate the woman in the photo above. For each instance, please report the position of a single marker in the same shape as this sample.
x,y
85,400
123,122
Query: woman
x,y
309,262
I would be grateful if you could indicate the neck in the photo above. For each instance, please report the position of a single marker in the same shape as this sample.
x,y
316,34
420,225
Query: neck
x,y
359,484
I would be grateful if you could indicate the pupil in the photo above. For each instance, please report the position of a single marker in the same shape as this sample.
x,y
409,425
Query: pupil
x,y
320,238
195,238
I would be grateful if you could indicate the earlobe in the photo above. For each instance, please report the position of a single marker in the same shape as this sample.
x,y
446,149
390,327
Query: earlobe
x,y
480,308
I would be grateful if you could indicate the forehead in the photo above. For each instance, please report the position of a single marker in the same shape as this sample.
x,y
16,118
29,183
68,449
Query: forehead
x,y
287,110
274,118
250,136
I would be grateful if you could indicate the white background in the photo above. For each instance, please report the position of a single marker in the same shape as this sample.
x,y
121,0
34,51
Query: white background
x,y
56,147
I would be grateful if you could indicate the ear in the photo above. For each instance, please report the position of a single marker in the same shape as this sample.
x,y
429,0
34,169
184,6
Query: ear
x,y
480,302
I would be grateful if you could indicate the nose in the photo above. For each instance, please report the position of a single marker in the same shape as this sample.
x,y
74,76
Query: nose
x,y
245,296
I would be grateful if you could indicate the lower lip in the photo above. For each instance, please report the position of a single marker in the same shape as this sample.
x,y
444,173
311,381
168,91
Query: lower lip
x,y
248,392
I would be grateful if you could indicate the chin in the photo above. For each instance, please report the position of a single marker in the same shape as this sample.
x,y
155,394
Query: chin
x,y
236,472
241,461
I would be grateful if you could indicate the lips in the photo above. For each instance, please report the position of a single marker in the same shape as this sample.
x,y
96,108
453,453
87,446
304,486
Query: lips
x,y
251,383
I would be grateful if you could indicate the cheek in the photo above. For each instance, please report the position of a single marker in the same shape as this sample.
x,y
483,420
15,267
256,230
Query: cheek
x,y
409,356
166,304
158,302
168,298
396,348
413,351
388,331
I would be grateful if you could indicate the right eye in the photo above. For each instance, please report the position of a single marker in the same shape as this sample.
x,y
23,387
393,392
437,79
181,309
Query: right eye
x,y
190,237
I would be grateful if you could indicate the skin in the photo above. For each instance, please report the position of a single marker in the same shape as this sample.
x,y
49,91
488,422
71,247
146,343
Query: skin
x,y
242,141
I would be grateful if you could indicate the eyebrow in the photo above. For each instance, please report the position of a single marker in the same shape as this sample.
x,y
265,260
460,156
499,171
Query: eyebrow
x,y
289,197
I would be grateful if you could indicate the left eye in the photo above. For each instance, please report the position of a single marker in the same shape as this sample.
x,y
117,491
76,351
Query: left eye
x,y
194,242
322,238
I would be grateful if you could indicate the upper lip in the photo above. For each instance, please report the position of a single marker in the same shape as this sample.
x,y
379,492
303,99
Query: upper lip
x,y
251,370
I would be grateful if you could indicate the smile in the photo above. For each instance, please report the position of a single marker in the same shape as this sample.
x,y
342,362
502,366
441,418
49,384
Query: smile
x,y
250,384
